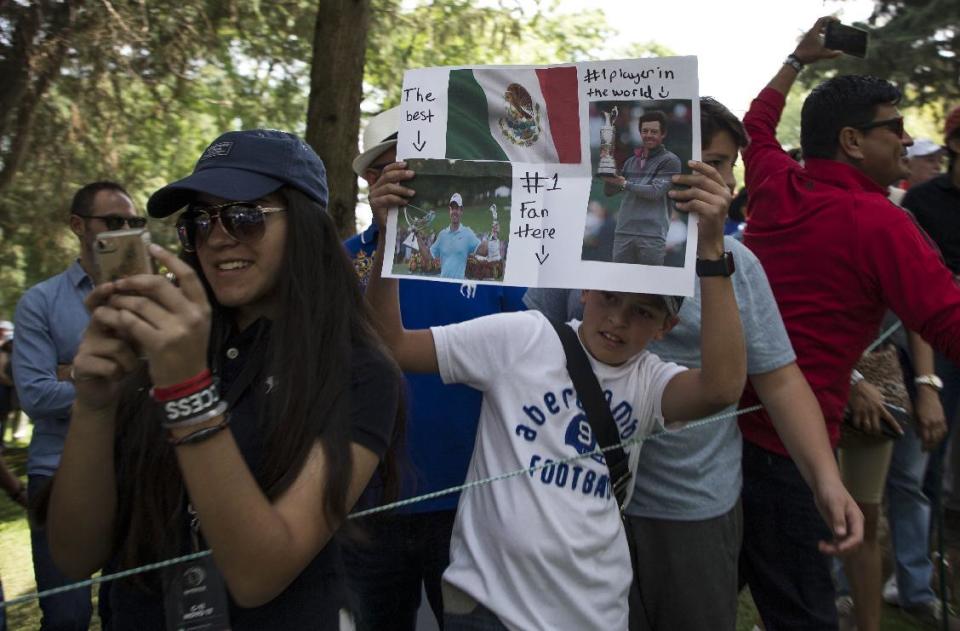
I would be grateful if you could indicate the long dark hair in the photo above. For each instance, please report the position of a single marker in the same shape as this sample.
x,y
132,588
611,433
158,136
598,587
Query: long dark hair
x,y
322,317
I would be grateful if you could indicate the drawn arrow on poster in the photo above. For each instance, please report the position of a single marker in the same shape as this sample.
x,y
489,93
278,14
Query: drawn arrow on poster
x,y
419,145
543,251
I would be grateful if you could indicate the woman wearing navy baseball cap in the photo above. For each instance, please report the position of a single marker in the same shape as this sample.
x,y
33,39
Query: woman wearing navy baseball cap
x,y
264,405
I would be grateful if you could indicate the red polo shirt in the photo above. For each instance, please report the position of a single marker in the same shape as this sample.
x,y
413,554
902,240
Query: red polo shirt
x,y
838,253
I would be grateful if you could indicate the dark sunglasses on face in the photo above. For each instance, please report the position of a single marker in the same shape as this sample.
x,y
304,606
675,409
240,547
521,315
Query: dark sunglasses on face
x,y
893,124
116,222
242,221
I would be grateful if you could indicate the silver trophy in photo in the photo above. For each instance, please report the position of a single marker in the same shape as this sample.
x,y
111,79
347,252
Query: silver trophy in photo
x,y
417,220
607,165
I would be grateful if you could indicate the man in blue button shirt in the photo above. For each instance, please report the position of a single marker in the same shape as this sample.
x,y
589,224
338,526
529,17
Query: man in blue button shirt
x,y
50,320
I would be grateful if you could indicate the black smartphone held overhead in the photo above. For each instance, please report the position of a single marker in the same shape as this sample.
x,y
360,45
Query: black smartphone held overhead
x,y
848,39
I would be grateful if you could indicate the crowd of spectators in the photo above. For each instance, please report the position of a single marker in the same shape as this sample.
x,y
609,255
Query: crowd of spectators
x,y
828,296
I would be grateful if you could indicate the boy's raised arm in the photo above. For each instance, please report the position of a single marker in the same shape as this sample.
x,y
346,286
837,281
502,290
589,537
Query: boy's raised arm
x,y
413,350
719,382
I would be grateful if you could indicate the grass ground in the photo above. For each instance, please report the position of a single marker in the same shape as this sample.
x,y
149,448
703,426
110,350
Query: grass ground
x,y
16,567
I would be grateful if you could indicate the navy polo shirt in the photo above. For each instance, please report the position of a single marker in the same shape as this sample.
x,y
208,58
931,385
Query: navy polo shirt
x,y
314,598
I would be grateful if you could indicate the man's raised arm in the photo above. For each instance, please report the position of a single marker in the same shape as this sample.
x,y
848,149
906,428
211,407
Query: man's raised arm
x,y
764,155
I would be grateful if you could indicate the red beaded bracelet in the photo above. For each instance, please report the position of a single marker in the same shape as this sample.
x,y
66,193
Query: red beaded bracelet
x,y
184,388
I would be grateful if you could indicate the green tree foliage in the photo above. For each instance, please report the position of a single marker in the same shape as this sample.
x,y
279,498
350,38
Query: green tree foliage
x,y
462,32
132,90
141,88
915,44
788,131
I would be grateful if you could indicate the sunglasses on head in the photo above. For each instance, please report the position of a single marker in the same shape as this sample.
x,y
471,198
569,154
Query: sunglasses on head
x,y
242,221
893,124
116,222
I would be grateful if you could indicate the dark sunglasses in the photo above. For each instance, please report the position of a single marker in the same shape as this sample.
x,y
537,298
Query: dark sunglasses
x,y
116,222
242,221
893,124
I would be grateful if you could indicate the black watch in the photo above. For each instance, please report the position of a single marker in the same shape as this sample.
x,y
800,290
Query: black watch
x,y
794,62
717,267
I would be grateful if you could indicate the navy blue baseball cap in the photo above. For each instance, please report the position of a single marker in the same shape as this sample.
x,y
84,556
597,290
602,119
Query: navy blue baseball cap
x,y
246,165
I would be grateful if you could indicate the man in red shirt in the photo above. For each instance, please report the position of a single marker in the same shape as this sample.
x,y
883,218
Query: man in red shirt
x,y
838,253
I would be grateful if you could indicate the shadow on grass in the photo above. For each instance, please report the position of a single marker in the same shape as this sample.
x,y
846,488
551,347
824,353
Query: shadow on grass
x,y
27,616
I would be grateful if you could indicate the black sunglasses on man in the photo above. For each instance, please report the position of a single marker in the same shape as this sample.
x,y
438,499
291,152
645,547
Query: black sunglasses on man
x,y
117,222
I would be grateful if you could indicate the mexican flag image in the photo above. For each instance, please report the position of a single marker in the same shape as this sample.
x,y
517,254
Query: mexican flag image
x,y
515,115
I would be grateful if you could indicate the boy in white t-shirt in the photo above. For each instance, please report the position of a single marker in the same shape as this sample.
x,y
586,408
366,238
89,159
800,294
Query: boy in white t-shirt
x,y
547,550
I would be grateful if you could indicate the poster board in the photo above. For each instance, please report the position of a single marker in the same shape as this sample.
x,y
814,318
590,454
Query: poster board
x,y
548,176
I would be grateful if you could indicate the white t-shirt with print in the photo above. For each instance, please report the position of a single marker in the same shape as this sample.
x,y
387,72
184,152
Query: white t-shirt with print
x,y
542,551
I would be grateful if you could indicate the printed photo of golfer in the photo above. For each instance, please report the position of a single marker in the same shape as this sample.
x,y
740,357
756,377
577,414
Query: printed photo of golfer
x,y
636,148
458,224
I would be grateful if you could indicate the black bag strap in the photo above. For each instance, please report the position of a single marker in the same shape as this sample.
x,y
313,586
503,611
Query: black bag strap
x,y
598,411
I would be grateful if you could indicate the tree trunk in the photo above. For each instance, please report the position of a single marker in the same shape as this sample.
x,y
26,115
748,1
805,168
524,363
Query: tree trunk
x,y
40,42
336,88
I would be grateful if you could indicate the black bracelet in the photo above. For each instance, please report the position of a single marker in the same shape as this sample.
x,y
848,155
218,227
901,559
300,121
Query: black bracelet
x,y
201,434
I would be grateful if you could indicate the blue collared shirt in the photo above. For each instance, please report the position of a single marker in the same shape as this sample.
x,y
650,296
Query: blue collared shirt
x,y
50,320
